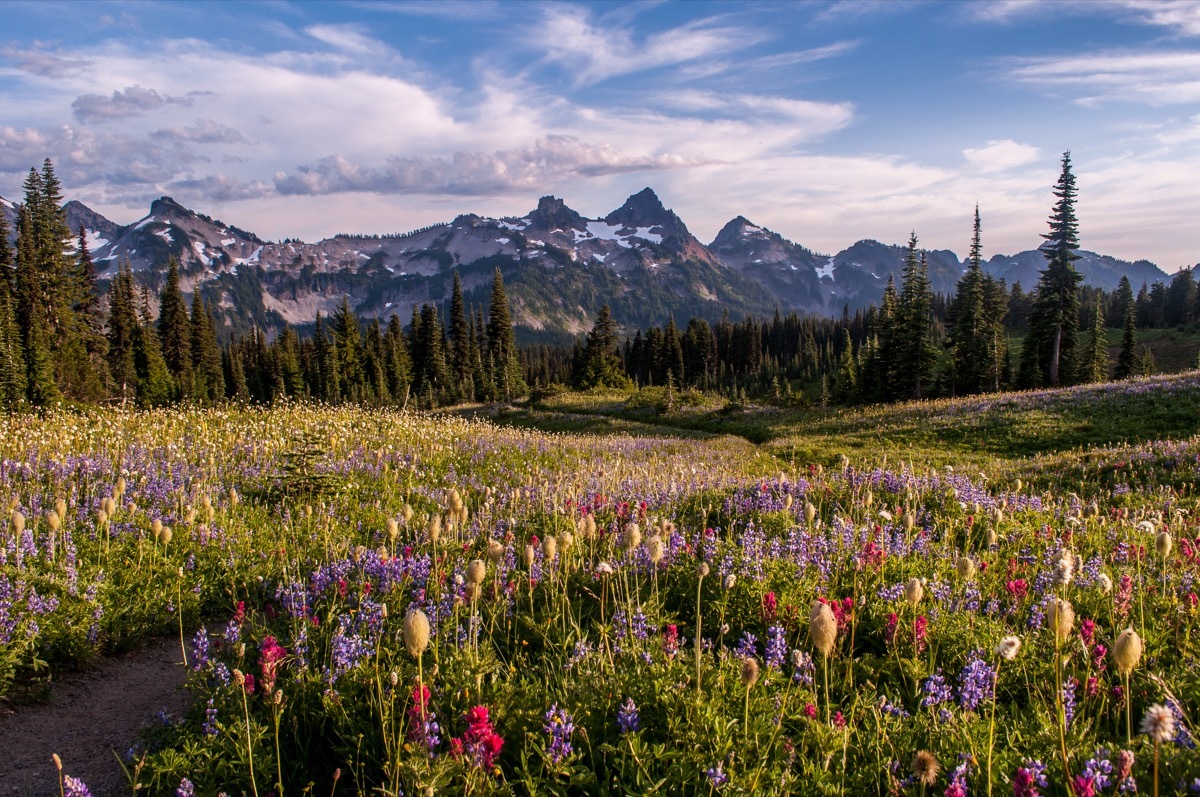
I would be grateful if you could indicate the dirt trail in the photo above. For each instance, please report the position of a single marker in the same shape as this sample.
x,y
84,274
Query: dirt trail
x,y
89,715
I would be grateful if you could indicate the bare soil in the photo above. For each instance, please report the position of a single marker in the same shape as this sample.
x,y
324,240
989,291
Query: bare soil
x,y
88,716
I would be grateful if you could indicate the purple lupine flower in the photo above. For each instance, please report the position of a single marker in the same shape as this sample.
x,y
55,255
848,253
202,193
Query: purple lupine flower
x,y
716,776
209,728
777,647
186,789
975,682
559,727
1099,769
627,716
200,649
1068,699
802,667
74,787
746,648
936,690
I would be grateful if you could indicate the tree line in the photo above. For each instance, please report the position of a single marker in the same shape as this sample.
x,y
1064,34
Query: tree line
x,y
913,344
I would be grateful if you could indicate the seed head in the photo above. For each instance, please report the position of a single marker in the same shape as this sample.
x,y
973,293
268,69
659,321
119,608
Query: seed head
x,y
925,767
53,520
416,632
749,672
1127,651
1007,648
393,529
1105,582
1061,615
822,628
476,571
1162,544
530,555
633,536
965,568
165,535
914,590
703,570
495,551
1159,724
18,522
550,548
654,549
730,580
810,512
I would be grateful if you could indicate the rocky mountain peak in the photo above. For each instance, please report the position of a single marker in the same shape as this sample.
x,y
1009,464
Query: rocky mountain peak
x,y
645,210
553,214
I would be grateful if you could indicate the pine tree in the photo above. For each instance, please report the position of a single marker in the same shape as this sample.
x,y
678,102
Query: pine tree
x,y
399,364
846,386
915,352
41,387
1054,322
122,322
600,364
1126,363
207,371
969,341
175,333
155,387
460,342
429,357
346,334
1097,349
507,381
12,355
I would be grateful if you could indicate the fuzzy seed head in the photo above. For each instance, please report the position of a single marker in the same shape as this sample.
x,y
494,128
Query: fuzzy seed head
x,y
822,628
633,536
1007,648
416,632
1105,582
530,555
1162,544
810,512
393,529
1061,615
703,570
654,549
1159,724
749,674
925,767
495,551
965,568
550,548
1127,651
476,571
914,590
165,535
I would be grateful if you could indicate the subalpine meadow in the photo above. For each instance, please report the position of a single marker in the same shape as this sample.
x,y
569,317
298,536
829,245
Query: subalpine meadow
x,y
374,601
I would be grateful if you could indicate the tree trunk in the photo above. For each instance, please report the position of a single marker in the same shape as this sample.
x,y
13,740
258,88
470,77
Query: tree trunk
x,y
1055,351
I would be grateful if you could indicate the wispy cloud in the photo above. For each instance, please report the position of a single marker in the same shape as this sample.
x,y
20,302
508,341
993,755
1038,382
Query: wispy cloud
x,y
548,160
1155,77
44,64
998,156
203,131
124,104
595,52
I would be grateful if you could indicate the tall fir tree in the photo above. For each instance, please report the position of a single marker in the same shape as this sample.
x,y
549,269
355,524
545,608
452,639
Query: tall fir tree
x,y
600,364
155,387
12,355
507,380
122,325
460,343
41,386
915,353
969,341
1096,365
174,331
1127,358
1050,351
208,375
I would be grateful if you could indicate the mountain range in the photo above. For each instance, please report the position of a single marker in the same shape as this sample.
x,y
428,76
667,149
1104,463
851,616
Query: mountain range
x,y
558,267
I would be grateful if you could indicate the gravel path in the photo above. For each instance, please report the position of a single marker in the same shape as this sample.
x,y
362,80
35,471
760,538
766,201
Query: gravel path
x,y
88,715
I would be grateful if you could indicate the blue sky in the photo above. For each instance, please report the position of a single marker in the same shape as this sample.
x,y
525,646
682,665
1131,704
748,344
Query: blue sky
x,y
825,121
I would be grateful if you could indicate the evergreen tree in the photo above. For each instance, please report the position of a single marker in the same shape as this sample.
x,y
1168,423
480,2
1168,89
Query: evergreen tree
x,y
969,340
344,325
155,387
507,380
846,386
601,363
398,362
915,352
1126,363
1054,322
122,323
90,315
41,387
460,343
12,355
1096,369
207,371
174,331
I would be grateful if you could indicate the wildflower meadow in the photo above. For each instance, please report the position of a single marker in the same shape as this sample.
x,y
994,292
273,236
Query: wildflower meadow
x,y
378,602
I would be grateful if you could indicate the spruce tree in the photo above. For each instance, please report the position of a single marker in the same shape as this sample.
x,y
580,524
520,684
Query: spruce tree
x,y
122,322
1126,360
1054,322
346,334
398,362
174,331
155,387
507,381
460,342
41,386
915,352
1096,369
969,341
600,364
207,372
12,356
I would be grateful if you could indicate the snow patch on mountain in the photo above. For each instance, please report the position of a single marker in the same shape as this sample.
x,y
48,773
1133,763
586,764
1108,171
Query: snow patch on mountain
x,y
825,271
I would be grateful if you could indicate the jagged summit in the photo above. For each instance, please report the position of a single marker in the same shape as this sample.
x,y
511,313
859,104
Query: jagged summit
x,y
644,210
552,213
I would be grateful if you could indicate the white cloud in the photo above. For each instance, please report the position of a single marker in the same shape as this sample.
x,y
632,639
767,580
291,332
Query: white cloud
x,y
1155,77
1000,155
44,64
596,53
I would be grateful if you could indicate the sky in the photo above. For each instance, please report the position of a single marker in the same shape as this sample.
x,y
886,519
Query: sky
x,y
827,122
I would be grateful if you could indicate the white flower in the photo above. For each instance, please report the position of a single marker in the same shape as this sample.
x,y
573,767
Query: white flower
x,y
604,569
1007,648
1146,527
1105,582
1159,724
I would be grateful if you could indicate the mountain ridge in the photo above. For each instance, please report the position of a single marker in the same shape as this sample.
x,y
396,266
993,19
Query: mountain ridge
x,y
558,265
